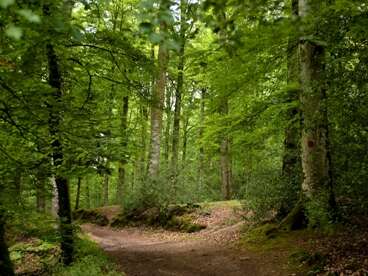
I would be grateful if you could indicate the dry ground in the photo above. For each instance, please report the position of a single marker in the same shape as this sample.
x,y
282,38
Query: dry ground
x,y
152,252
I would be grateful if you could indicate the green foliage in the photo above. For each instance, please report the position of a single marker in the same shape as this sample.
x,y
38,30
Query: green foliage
x,y
90,260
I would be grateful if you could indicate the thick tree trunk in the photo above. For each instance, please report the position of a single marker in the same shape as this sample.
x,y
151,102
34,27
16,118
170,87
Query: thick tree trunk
x,y
123,160
6,266
225,158
64,210
157,108
316,165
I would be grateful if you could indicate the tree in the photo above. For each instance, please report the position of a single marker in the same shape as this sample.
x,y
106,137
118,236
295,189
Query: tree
x,y
158,97
62,185
317,186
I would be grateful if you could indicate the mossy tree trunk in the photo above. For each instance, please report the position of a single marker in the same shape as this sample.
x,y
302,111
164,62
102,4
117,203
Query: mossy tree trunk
x,y
314,142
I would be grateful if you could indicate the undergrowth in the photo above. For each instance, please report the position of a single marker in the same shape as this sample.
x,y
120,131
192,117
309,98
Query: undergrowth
x,y
90,260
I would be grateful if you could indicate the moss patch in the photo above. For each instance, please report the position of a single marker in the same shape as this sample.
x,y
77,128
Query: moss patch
x,y
34,257
175,218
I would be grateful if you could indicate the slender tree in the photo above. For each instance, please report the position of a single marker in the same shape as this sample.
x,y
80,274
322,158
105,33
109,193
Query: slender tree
x,y
158,98
123,160
179,92
55,117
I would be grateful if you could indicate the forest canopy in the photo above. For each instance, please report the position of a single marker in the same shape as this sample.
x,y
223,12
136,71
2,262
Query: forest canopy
x,y
144,103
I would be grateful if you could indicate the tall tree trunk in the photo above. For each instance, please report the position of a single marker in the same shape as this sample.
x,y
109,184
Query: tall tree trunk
x,y
168,125
225,158
157,104
64,210
143,147
291,162
123,160
77,198
201,148
178,96
316,164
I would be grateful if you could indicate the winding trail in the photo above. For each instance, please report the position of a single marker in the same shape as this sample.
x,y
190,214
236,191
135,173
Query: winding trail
x,y
149,252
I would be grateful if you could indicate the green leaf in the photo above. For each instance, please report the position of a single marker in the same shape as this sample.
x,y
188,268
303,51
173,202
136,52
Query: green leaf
x,y
14,32
5,3
30,16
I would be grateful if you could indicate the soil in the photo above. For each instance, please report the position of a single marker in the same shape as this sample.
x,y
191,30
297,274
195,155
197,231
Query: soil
x,y
154,252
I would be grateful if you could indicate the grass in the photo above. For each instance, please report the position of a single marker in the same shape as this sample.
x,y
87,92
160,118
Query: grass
x,y
90,260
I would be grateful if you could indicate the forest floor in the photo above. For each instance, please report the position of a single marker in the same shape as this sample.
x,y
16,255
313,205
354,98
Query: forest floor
x,y
213,251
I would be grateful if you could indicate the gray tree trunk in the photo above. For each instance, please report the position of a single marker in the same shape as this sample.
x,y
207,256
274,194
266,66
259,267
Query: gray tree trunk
x,y
158,98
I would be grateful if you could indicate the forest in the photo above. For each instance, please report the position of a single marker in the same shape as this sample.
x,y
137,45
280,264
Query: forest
x,y
234,131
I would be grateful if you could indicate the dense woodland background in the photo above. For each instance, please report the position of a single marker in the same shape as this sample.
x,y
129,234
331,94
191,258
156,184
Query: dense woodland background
x,y
151,103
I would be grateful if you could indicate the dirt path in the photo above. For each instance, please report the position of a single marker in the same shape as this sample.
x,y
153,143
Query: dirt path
x,y
148,252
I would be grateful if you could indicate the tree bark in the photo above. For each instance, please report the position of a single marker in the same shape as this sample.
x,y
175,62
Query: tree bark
x,y
123,161
64,210
178,96
168,125
157,105
315,162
